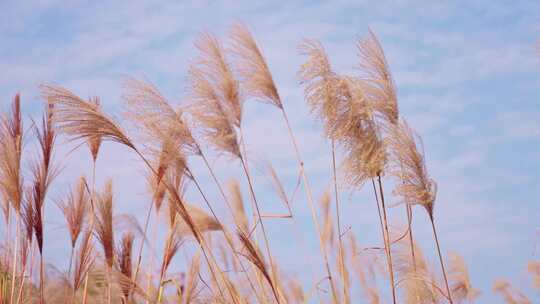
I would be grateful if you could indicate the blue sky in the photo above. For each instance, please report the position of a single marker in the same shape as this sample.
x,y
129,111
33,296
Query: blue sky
x,y
467,78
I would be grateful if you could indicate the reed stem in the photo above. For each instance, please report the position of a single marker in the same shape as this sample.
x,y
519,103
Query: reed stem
x,y
41,279
338,219
85,289
15,254
441,260
387,245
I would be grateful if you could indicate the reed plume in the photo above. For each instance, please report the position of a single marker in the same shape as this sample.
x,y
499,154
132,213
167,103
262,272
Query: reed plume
x,y
509,293
377,79
210,114
172,245
241,220
409,166
155,116
82,119
461,285
252,68
83,261
323,89
203,221
75,208
125,267
217,71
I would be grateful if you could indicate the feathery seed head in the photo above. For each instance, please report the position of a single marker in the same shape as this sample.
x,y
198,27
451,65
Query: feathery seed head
x,y
251,65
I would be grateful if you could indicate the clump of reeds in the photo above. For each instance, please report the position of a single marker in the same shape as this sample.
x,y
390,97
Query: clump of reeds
x,y
361,118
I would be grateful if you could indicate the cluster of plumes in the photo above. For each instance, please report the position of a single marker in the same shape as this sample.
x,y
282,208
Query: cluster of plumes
x,y
350,107
361,114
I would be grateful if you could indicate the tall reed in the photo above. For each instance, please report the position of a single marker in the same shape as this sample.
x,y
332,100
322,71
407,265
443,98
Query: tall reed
x,y
259,84
361,121
416,187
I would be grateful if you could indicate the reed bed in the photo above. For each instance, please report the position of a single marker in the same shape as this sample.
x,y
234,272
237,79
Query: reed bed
x,y
226,257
